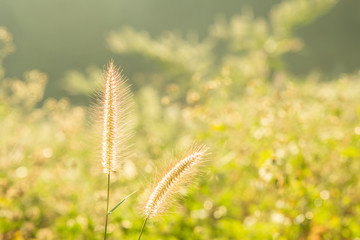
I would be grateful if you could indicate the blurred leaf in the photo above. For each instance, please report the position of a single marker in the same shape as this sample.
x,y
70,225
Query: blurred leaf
x,y
112,210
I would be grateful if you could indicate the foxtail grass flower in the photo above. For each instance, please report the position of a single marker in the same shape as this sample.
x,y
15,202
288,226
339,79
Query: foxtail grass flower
x,y
114,107
169,185
114,113
181,173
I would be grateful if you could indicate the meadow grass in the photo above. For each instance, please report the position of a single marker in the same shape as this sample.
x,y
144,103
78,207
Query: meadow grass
x,y
113,112
285,147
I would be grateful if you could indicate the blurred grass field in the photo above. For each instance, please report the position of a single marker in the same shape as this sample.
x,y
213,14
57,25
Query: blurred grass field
x,y
285,149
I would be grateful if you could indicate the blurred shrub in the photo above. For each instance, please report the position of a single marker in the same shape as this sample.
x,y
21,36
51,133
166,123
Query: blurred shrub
x,y
285,151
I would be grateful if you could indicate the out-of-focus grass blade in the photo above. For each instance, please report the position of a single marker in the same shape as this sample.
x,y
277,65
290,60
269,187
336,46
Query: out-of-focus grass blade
x,y
112,210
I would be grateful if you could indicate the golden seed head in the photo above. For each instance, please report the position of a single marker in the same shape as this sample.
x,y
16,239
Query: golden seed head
x,y
181,173
115,109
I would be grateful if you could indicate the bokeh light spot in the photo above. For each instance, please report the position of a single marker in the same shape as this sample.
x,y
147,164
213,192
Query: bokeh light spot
x,y
21,172
324,195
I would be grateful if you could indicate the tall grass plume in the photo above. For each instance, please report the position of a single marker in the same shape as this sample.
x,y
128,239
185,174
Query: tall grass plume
x,y
180,174
113,108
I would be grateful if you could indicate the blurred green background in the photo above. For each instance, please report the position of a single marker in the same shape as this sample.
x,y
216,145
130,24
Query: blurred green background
x,y
272,87
59,36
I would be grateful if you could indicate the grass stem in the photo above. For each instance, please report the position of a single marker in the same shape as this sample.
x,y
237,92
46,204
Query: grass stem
x,y
107,206
143,226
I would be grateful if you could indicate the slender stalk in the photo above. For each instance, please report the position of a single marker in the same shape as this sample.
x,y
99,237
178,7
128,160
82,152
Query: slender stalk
x,y
107,205
143,226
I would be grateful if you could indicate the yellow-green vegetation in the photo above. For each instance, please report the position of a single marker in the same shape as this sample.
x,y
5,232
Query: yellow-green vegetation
x,y
284,160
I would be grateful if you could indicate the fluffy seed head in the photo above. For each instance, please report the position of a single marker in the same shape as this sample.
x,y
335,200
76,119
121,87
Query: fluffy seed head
x,y
181,173
113,116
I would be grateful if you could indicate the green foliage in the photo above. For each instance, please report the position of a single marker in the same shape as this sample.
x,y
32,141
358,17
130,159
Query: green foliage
x,y
285,151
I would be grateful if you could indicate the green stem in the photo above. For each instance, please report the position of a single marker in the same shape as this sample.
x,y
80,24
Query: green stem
x,y
142,229
107,206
